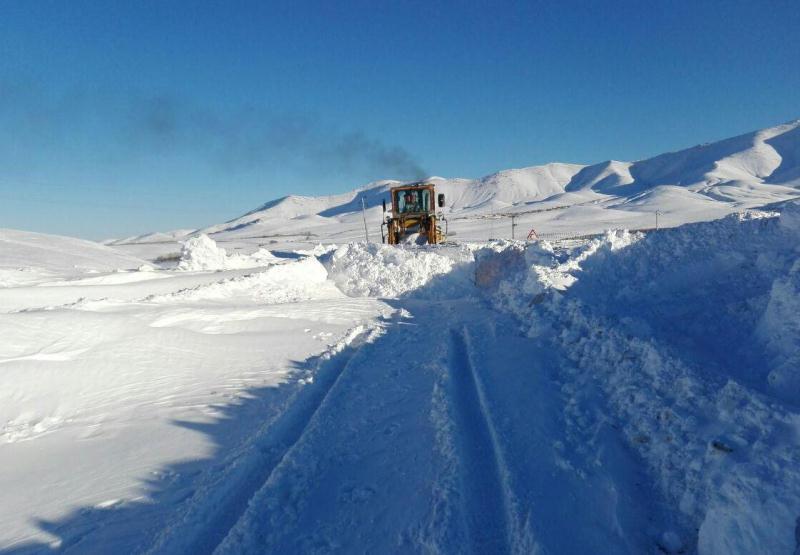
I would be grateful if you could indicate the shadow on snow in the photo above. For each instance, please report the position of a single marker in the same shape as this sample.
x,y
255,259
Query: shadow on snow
x,y
199,500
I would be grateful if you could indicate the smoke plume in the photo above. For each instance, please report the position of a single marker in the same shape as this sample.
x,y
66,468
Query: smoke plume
x,y
252,137
230,140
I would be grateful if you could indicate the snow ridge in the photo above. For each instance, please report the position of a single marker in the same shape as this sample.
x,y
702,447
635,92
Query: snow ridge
x,y
637,316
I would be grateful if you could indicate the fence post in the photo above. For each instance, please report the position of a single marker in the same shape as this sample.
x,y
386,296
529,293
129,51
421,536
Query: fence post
x,y
364,215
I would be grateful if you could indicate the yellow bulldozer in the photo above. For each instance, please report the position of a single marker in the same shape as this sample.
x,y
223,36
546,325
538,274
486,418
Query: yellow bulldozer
x,y
413,218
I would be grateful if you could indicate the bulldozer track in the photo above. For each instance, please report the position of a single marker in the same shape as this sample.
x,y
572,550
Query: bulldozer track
x,y
486,504
219,503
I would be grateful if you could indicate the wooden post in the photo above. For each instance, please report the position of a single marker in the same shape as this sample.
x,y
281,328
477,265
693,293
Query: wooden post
x,y
364,214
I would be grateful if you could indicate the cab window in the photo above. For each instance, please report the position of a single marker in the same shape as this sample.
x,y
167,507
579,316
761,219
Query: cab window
x,y
412,200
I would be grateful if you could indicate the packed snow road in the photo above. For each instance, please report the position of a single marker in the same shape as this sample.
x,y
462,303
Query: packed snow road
x,y
402,444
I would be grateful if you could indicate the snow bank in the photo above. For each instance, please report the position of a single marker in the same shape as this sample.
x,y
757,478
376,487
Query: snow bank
x,y
201,253
370,270
693,337
779,327
701,289
507,271
318,250
289,282
790,217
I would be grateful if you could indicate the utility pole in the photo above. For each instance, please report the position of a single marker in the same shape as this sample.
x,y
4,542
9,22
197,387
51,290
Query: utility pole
x,y
513,225
364,214
658,213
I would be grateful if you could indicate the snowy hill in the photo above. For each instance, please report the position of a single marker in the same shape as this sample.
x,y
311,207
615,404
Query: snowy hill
x,y
699,183
26,257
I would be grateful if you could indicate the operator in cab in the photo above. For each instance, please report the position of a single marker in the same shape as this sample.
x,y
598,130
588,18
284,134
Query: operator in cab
x,y
411,202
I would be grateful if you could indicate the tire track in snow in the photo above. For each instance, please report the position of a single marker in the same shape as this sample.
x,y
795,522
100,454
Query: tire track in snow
x,y
487,507
218,504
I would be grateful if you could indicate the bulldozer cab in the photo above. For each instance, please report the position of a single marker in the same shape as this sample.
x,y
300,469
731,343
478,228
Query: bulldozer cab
x,y
413,217
412,201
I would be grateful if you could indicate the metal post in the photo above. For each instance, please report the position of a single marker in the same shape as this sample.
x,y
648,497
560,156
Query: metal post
x,y
513,225
657,214
364,214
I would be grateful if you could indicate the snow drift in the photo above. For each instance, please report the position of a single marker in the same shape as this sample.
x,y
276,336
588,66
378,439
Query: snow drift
x,y
693,336
370,270
201,253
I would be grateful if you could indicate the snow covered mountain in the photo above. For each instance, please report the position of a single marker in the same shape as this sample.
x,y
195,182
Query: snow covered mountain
x,y
701,182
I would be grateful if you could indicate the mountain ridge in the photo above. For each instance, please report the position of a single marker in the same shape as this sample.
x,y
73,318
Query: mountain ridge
x,y
746,171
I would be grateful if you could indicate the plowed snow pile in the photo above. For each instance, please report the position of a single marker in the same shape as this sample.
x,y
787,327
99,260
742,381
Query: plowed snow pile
x,y
201,253
692,336
370,270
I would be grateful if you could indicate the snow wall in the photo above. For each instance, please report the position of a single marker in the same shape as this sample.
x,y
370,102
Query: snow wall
x,y
693,335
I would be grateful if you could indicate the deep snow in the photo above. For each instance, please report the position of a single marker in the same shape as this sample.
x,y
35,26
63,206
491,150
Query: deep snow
x,y
678,329
248,388
115,394
635,392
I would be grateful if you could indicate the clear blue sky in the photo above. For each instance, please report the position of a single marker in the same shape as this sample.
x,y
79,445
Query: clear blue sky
x,y
124,117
